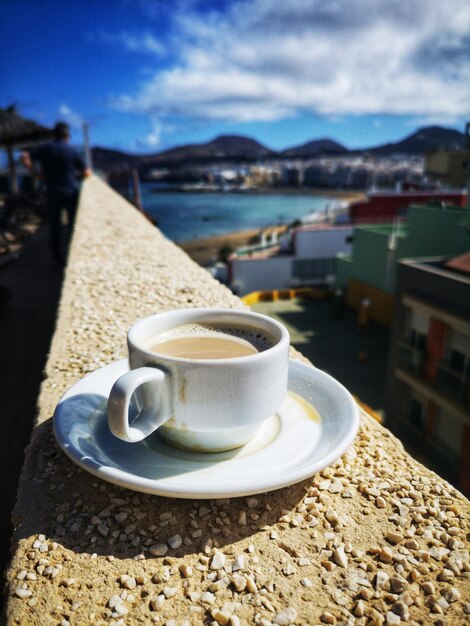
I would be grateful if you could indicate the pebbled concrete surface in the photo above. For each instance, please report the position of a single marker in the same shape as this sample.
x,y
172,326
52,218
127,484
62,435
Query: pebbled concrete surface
x,y
375,538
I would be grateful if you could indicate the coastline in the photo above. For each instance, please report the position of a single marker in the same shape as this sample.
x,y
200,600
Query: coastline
x,y
339,194
206,249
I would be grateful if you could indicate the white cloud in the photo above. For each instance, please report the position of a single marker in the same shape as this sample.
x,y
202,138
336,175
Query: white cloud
x,y
71,117
267,60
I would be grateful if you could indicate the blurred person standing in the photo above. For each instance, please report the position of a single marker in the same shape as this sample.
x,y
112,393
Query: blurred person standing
x,y
62,168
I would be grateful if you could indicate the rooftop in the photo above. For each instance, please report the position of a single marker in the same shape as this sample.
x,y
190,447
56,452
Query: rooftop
x,y
460,263
456,268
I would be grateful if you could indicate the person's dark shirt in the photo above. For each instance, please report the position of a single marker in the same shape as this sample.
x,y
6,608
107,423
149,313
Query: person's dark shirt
x,y
60,164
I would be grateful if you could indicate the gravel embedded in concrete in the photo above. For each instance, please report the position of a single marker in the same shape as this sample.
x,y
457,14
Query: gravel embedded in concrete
x,y
375,537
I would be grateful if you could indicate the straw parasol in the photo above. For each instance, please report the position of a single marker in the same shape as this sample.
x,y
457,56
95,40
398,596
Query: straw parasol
x,y
17,131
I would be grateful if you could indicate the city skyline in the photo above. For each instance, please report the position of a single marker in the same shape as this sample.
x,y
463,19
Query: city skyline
x,y
150,76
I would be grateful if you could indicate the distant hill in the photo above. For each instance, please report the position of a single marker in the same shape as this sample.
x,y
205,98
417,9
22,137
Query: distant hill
x,y
225,147
104,159
315,148
422,141
236,148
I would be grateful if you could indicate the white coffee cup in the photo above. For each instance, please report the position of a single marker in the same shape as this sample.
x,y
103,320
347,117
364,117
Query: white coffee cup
x,y
199,404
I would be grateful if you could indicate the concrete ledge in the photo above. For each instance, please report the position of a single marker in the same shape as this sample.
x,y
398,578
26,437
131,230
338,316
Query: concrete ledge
x,y
373,537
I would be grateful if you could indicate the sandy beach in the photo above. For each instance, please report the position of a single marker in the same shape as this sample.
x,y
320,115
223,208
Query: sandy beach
x,y
205,250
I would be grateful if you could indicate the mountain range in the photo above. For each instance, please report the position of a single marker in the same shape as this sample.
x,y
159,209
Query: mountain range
x,y
236,148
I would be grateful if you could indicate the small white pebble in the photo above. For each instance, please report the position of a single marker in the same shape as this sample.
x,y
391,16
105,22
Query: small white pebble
x,y
218,561
113,601
208,597
120,610
381,579
386,555
128,582
336,486
186,570
221,617
340,557
175,541
242,518
158,549
394,537
239,563
239,583
169,592
392,619
360,608
451,594
288,570
285,617
442,602
157,603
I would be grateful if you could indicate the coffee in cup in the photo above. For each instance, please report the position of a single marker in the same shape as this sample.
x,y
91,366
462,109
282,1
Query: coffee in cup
x,y
211,341
205,378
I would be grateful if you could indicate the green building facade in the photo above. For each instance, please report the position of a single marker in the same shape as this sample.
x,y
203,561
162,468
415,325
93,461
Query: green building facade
x,y
429,231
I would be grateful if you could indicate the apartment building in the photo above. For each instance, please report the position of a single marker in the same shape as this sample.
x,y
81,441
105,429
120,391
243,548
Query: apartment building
x,y
428,384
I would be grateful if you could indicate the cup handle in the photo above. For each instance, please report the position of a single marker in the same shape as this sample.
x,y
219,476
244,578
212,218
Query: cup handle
x,y
153,411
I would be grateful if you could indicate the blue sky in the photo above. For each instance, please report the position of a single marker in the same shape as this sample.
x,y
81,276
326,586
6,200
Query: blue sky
x,y
152,74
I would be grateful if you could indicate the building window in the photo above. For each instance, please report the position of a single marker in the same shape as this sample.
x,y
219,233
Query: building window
x,y
411,351
448,433
417,340
416,330
416,413
457,361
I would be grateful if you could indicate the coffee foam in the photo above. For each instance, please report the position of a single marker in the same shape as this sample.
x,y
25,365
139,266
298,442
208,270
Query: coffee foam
x,y
259,339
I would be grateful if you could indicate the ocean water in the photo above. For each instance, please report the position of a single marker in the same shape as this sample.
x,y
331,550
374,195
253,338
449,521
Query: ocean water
x,y
183,216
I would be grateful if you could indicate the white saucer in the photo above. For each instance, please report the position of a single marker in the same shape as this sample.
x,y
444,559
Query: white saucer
x,y
292,445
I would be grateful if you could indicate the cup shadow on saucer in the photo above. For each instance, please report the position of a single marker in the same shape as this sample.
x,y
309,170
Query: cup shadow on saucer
x,y
83,418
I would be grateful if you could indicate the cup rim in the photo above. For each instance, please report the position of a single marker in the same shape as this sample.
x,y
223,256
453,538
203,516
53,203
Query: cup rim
x,y
282,343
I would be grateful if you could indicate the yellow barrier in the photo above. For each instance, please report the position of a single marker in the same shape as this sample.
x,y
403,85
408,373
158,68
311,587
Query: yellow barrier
x,y
285,294
365,407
